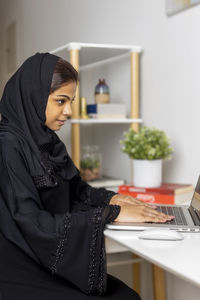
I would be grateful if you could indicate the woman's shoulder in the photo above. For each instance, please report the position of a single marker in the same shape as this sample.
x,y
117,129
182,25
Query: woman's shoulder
x,y
7,135
11,149
9,141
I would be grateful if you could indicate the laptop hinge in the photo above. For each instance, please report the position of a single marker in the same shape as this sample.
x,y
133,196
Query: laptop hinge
x,y
194,216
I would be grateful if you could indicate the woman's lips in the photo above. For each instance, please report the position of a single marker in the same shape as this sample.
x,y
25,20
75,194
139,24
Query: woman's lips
x,y
61,122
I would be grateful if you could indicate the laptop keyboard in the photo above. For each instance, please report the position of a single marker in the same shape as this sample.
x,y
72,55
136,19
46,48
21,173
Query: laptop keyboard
x,y
177,212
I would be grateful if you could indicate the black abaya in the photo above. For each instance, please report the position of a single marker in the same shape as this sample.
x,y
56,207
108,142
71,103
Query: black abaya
x,y
39,259
52,222
22,279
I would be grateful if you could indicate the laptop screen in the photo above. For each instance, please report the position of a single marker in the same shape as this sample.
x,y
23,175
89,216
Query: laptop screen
x,y
196,197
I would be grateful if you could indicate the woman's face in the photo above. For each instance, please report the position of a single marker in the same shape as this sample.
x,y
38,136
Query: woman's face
x,y
59,106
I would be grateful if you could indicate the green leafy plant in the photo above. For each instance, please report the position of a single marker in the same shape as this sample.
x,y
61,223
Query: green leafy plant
x,y
147,143
89,163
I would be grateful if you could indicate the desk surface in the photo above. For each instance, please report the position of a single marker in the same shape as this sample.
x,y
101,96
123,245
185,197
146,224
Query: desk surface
x,y
182,258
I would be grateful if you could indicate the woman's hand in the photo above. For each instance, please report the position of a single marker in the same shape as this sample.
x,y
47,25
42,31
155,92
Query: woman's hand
x,y
133,210
122,200
141,213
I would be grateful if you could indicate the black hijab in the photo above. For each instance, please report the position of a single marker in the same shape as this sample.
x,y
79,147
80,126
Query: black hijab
x,y
22,107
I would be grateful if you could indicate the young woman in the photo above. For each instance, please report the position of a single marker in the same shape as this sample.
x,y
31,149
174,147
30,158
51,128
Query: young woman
x,y
52,222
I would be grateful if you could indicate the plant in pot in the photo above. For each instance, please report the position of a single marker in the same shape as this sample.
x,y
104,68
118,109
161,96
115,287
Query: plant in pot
x,y
90,169
90,164
147,148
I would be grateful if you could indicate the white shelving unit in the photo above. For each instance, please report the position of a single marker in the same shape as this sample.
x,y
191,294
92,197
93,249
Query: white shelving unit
x,y
91,55
85,56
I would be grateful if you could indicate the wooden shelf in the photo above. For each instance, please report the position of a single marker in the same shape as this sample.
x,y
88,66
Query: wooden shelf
x,y
105,121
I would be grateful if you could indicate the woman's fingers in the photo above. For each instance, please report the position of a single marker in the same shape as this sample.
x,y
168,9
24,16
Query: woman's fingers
x,y
126,199
139,202
152,215
122,200
141,213
146,204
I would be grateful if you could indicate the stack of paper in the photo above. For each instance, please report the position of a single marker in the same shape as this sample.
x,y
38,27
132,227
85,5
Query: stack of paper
x,y
110,110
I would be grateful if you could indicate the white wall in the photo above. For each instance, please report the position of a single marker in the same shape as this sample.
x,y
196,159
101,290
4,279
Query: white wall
x,y
170,67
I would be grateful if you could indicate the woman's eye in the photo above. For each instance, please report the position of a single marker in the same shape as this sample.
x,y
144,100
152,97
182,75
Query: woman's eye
x,y
60,101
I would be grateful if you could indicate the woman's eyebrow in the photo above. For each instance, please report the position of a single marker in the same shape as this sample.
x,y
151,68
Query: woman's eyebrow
x,y
65,97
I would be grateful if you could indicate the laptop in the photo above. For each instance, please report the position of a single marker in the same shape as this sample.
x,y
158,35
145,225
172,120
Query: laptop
x,y
187,218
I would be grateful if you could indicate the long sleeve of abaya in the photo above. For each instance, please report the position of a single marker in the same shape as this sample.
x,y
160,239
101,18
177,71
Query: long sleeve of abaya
x,y
81,191
69,245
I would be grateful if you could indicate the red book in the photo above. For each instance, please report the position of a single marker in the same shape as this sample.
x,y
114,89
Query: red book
x,y
152,198
165,188
167,193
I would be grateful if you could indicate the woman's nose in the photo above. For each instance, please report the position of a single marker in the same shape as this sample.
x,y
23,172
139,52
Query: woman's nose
x,y
67,109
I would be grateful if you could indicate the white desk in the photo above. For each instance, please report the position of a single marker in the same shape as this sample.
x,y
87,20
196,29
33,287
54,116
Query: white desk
x,y
181,258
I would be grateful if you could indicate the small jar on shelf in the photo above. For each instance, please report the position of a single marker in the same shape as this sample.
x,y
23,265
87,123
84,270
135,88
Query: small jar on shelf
x,y
91,162
102,94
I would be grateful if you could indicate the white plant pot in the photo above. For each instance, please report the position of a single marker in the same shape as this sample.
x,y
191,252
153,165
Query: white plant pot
x,y
147,173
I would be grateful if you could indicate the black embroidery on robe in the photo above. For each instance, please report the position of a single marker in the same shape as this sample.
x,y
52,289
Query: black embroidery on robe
x,y
48,179
93,248
60,248
97,278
